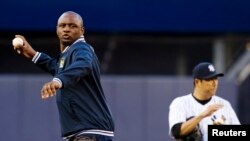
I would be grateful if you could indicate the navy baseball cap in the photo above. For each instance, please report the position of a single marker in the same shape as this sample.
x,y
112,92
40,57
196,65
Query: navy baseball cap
x,y
205,70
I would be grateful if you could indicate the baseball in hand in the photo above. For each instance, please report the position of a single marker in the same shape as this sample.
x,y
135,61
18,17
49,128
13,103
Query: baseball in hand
x,y
17,42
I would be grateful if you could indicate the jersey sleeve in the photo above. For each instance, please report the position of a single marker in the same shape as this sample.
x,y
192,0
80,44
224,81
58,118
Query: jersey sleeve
x,y
176,113
45,62
79,66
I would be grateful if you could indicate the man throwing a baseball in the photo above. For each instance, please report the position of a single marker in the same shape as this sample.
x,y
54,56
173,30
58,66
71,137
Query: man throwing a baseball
x,y
190,115
83,111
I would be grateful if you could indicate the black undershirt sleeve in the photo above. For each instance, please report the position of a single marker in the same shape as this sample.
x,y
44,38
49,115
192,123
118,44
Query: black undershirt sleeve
x,y
176,129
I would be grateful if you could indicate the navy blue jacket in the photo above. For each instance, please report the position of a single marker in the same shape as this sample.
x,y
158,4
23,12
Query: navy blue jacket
x,y
81,101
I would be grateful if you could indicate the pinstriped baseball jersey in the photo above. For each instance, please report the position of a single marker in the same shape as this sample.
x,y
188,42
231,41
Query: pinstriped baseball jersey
x,y
186,106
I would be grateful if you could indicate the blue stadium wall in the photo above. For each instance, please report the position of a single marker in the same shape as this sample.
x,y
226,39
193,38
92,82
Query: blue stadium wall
x,y
139,105
130,15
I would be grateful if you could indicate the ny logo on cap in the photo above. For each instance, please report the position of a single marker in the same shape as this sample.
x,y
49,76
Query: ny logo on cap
x,y
211,68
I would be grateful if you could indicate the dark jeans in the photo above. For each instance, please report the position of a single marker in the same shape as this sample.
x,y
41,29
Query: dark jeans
x,y
91,138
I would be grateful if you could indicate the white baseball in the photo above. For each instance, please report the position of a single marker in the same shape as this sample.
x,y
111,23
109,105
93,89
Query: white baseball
x,y
17,42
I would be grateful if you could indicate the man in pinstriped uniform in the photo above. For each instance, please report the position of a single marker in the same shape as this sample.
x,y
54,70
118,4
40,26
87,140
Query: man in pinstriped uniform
x,y
190,115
